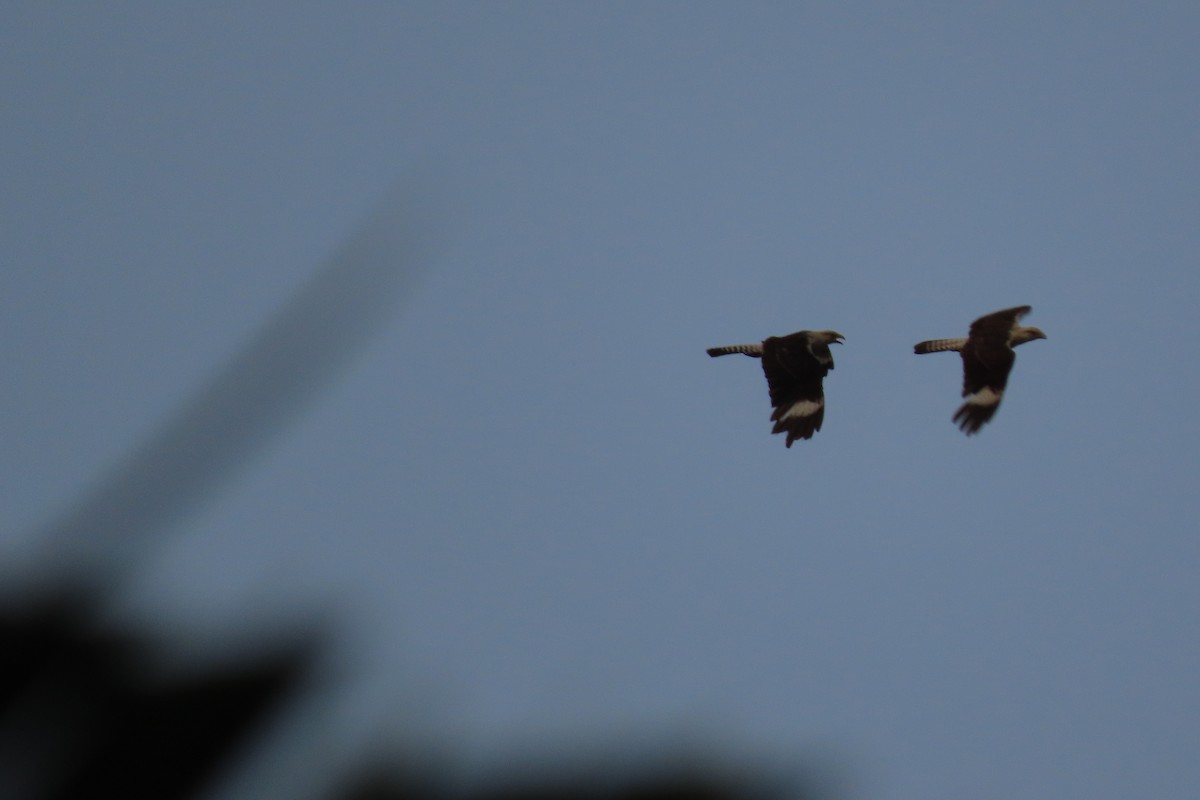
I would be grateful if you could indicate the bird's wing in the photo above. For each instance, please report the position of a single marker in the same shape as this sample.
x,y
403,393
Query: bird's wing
x,y
794,378
998,324
987,360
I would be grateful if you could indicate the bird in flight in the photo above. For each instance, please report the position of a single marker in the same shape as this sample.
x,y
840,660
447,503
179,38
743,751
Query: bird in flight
x,y
794,365
987,355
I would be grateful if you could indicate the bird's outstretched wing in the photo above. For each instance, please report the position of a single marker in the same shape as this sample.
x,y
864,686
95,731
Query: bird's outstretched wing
x,y
795,368
987,360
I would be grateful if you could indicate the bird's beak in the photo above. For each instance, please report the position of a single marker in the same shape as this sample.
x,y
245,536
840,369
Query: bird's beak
x,y
839,339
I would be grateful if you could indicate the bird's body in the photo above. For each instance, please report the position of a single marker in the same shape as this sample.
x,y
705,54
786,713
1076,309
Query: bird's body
x,y
988,357
795,366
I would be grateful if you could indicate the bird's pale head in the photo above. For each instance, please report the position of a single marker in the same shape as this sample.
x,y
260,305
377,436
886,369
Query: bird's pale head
x,y
1027,334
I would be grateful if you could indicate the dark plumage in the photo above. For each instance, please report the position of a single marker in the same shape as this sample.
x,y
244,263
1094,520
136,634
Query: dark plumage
x,y
988,357
795,366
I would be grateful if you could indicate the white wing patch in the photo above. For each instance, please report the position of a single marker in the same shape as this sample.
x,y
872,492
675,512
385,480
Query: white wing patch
x,y
802,408
986,396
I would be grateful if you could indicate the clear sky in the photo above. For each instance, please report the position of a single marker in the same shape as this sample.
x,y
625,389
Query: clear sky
x,y
541,512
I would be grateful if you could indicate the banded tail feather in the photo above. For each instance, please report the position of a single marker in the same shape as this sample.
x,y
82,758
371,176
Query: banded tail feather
x,y
752,350
939,345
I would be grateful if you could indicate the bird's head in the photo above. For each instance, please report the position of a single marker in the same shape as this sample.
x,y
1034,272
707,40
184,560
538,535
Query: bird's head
x,y
1027,334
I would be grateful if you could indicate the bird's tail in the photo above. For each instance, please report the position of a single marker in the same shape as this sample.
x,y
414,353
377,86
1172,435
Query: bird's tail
x,y
938,345
752,350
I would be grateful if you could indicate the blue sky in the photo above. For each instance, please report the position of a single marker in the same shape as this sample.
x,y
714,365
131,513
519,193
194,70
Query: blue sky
x,y
541,512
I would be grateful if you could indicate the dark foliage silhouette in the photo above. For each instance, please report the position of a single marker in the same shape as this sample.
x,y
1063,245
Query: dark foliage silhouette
x,y
85,711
